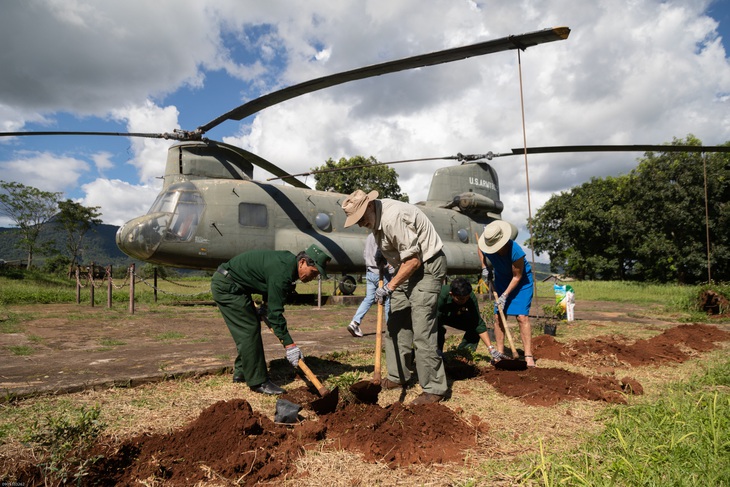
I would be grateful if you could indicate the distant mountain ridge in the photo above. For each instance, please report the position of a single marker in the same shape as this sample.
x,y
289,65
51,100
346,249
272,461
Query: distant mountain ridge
x,y
99,245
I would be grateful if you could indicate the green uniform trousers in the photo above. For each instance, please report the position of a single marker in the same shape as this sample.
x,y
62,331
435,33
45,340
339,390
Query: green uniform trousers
x,y
239,313
412,324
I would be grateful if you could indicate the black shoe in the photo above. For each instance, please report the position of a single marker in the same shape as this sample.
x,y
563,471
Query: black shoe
x,y
238,379
268,387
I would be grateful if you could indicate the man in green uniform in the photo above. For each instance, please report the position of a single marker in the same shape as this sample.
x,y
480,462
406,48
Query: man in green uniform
x,y
458,308
272,274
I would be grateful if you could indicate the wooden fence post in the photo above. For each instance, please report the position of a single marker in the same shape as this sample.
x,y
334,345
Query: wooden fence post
x,y
109,287
78,286
91,283
131,289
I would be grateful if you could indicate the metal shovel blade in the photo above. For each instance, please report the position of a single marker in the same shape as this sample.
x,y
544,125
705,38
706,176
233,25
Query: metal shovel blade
x,y
366,391
327,403
510,364
286,412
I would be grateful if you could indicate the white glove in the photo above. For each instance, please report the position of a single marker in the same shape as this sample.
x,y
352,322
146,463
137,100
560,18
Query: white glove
x,y
485,274
501,301
293,355
382,294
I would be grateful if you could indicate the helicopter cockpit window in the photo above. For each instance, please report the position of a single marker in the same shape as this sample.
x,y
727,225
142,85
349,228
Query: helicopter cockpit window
x,y
187,208
165,202
253,215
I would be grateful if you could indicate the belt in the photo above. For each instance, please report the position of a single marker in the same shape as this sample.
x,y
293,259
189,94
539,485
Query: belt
x,y
434,256
222,271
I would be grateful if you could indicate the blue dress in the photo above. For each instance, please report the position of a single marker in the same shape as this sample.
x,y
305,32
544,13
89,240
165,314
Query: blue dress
x,y
520,299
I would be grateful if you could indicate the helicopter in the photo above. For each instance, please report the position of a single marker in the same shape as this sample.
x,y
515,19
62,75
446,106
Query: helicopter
x,y
210,208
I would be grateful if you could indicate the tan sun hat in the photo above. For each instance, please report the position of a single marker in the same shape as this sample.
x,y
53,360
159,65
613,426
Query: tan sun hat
x,y
356,204
495,236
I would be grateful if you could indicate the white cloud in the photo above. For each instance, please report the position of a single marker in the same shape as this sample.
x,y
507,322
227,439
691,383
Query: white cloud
x,y
631,72
44,171
119,200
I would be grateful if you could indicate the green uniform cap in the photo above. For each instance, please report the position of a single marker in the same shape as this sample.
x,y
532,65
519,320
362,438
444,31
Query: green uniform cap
x,y
320,259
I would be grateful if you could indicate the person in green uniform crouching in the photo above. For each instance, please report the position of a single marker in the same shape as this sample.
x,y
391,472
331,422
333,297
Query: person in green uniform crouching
x,y
272,274
458,308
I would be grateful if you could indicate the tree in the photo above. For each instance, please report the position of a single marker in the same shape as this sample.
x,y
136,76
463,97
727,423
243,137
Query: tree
x,y
649,225
585,231
365,174
30,209
76,220
668,191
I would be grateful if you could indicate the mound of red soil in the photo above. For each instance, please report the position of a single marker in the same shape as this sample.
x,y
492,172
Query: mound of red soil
x,y
542,386
230,441
674,345
401,434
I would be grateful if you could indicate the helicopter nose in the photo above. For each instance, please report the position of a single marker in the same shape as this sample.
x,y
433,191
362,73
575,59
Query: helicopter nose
x,y
139,238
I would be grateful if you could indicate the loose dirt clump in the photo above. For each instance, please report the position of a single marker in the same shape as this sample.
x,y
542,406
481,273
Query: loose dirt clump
x,y
714,303
544,386
677,344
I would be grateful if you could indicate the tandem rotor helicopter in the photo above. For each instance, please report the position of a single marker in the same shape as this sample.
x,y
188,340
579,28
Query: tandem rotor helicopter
x,y
210,208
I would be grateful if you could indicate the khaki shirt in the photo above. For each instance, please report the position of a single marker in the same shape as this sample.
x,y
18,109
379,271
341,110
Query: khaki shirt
x,y
403,231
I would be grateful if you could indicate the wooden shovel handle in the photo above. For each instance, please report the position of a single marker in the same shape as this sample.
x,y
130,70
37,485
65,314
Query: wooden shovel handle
x,y
323,391
378,338
506,327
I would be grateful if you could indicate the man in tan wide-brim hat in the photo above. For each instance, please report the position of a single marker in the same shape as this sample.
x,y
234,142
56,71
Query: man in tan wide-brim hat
x,y
409,242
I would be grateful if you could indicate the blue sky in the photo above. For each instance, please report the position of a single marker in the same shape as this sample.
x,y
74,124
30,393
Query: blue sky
x,y
631,72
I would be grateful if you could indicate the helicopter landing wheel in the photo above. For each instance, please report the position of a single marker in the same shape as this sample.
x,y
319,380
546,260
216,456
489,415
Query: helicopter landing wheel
x,y
347,285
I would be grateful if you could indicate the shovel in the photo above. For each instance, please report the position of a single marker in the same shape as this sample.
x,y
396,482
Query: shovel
x,y
505,363
327,403
367,391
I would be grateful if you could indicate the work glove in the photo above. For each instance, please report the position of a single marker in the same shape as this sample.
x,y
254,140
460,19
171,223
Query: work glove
x,y
496,354
382,294
293,354
262,312
485,274
501,301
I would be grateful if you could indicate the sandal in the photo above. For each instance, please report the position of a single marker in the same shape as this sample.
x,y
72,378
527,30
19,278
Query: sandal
x,y
528,359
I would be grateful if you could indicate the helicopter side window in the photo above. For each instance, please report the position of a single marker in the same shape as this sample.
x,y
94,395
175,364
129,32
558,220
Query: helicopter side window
x,y
253,215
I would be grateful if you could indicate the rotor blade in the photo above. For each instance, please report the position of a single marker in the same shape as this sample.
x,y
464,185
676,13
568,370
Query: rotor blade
x,y
121,134
360,166
617,148
522,41
269,166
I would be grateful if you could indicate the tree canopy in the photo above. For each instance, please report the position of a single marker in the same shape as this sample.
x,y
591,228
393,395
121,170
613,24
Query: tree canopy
x,y
366,174
648,225
30,208
76,220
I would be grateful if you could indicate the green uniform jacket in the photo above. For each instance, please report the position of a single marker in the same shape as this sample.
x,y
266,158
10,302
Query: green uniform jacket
x,y
272,274
463,317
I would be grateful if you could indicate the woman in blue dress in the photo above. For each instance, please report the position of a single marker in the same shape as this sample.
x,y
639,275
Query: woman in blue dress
x,y
513,282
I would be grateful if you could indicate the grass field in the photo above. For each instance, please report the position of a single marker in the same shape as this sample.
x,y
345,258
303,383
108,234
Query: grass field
x,y
677,433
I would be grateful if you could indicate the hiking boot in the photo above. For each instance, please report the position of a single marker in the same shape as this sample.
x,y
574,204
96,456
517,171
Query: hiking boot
x,y
354,329
388,384
268,387
427,398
